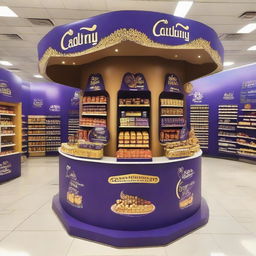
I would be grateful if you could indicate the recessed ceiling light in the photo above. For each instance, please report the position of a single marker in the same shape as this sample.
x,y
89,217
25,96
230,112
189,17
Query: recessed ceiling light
x,y
247,29
228,63
182,8
37,76
199,56
7,12
74,63
5,63
116,50
63,62
252,48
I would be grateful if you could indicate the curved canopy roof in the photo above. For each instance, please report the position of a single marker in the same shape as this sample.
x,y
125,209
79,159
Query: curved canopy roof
x,y
65,49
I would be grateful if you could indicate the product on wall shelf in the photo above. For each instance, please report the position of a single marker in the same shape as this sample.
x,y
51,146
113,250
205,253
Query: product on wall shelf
x,y
93,112
171,110
199,121
73,122
246,136
133,119
41,129
227,122
24,138
10,128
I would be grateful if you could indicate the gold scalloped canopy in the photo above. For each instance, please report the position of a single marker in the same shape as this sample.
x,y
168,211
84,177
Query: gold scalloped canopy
x,y
52,58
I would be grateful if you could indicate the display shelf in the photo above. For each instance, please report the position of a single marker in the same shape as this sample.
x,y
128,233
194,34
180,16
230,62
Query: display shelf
x,y
7,145
247,116
250,110
9,154
31,123
10,128
91,126
246,127
133,123
6,114
172,126
228,141
227,123
94,103
221,135
92,114
171,115
7,125
246,145
199,121
244,137
133,106
39,134
136,127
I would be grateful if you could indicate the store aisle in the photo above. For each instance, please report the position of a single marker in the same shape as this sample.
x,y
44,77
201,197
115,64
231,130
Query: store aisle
x,y
28,226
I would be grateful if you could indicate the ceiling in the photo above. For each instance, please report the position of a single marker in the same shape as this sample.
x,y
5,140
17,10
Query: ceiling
x,y
221,15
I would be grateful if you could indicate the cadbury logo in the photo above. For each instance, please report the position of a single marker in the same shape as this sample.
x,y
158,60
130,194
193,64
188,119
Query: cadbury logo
x,y
5,90
88,35
160,29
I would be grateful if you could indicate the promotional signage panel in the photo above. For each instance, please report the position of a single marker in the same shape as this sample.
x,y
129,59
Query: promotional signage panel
x,y
95,83
134,82
172,83
10,167
130,196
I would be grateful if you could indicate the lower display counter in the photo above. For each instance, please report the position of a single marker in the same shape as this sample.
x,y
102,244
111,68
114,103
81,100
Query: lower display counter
x,y
10,167
130,203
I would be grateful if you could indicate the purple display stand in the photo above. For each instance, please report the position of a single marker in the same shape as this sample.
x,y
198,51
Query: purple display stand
x,y
89,189
119,238
10,167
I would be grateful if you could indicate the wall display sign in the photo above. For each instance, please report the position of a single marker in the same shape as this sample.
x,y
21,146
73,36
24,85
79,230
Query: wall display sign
x,y
95,83
172,83
10,87
5,90
248,92
38,103
99,135
134,82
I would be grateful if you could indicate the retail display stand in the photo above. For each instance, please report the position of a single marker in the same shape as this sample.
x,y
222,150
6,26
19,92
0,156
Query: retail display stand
x,y
171,110
24,137
246,132
44,136
133,119
131,203
10,140
94,106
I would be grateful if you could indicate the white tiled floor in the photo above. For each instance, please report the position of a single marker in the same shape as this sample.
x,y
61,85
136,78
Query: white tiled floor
x,y
28,226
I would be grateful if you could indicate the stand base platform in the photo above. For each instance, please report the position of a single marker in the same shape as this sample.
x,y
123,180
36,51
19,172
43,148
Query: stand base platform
x,y
119,238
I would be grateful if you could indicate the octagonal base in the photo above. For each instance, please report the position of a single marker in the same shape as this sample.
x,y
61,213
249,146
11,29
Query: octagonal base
x,y
121,238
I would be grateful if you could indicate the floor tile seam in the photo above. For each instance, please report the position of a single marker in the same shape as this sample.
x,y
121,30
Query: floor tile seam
x,y
3,238
28,217
69,248
19,199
